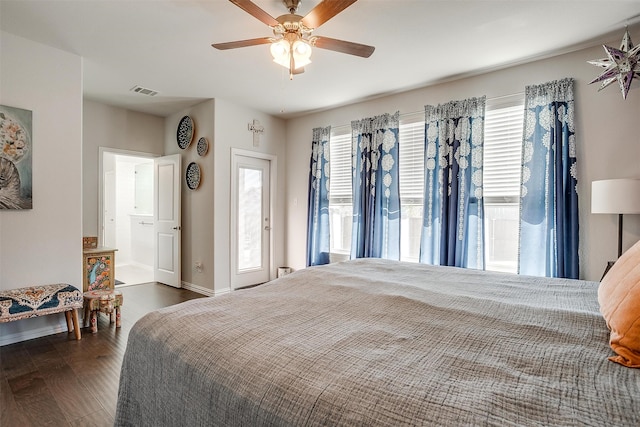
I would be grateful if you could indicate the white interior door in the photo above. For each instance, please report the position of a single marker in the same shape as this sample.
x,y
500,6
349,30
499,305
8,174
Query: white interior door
x,y
166,220
251,221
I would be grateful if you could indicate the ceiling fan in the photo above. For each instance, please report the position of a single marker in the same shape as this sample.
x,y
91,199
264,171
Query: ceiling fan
x,y
292,34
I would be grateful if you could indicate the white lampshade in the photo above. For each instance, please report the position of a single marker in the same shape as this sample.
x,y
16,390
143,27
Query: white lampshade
x,y
301,53
280,52
615,196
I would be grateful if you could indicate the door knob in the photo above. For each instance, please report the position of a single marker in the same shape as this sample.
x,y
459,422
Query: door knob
x,y
176,228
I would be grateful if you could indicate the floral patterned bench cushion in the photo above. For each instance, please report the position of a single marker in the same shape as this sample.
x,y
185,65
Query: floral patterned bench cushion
x,y
34,301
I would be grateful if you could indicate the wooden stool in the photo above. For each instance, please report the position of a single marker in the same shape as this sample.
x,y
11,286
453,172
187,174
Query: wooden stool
x,y
103,300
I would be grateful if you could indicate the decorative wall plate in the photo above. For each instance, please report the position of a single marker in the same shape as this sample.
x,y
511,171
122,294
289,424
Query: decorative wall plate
x,y
192,176
184,134
203,146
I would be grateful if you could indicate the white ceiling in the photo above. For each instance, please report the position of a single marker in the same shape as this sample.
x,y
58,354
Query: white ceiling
x,y
165,45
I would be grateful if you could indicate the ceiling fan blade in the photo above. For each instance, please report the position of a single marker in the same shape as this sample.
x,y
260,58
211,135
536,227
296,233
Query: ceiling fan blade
x,y
242,43
252,9
350,48
298,71
324,11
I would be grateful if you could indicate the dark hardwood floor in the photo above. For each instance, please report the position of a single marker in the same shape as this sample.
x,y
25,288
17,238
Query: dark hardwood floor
x,y
58,381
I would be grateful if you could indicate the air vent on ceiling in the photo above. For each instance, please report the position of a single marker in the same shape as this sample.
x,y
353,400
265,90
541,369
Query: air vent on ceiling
x,y
144,91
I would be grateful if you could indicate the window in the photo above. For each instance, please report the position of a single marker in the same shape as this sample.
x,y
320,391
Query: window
x,y
501,183
411,170
340,193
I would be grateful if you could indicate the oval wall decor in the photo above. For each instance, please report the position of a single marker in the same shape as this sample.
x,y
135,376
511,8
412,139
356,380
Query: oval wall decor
x,y
192,176
203,146
184,134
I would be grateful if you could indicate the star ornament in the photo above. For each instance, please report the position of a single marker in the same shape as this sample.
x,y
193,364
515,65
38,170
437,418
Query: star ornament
x,y
621,64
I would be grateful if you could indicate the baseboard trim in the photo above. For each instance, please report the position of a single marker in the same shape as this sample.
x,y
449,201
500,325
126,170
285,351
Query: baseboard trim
x,y
204,291
31,334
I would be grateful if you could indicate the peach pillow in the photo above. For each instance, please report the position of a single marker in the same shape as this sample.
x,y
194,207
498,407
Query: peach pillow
x,y
619,298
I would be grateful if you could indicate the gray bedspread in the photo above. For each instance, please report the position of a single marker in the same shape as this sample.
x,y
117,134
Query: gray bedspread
x,y
380,343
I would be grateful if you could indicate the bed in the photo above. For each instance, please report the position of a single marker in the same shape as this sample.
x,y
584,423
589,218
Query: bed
x,y
372,342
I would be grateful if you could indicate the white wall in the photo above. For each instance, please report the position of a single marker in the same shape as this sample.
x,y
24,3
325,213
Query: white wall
x,y
205,211
43,245
232,132
607,136
112,127
197,205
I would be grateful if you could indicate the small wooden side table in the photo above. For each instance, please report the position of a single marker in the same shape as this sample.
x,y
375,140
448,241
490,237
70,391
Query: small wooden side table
x,y
106,301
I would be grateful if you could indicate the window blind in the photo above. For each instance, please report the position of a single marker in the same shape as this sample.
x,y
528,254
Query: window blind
x,y
411,158
340,163
502,154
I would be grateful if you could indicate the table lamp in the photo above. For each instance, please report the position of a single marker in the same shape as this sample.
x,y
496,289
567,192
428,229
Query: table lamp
x,y
616,196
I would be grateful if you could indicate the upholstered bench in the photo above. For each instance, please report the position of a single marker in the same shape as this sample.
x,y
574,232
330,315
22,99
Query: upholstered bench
x,y
35,301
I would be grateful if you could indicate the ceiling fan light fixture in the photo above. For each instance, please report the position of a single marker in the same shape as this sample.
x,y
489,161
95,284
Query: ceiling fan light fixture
x,y
280,51
292,40
301,53
302,49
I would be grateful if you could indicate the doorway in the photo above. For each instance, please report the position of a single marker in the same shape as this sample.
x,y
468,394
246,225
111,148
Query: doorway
x,y
252,189
126,220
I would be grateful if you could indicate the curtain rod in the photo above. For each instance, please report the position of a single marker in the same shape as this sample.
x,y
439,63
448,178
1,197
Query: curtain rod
x,y
495,98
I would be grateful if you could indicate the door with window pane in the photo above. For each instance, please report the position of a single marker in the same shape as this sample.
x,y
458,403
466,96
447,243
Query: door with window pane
x,y
251,230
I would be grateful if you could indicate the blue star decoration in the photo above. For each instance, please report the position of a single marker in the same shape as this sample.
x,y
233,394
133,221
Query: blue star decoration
x,y
621,64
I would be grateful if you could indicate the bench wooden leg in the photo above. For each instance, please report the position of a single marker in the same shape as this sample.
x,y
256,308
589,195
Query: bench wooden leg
x,y
73,325
76,324
118,317
67,316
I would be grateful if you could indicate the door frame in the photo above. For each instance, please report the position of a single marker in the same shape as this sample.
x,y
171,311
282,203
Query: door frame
x,y
273,167
103,230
